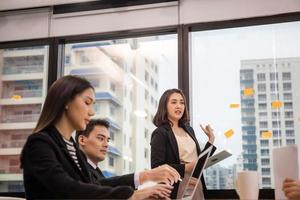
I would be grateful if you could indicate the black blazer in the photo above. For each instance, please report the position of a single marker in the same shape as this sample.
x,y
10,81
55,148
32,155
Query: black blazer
x,y
164,150
98,178
51,173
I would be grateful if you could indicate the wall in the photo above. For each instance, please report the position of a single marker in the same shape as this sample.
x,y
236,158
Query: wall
x,y
42,23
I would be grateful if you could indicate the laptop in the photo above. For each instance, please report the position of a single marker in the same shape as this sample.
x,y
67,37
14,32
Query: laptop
x,y
195,177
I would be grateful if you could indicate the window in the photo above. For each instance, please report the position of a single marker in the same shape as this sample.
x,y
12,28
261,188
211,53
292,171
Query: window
x,y
288,105
146,95
261,77
277,142
262,106
287,86
273,76
251,63
276,133
146,153
274,96
261,87
146,132
23,86
288,114
287,96
262,97
146,76
274,87
289,133
263,124
111,161
126,68
275,115
276,124
289,124
265,171
265,161
290,141
286,76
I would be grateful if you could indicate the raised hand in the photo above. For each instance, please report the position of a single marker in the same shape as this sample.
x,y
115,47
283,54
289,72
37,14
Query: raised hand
x,y
209,132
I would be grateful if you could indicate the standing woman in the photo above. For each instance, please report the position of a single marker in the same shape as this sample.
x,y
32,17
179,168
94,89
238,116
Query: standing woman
x,y
53,166
173,142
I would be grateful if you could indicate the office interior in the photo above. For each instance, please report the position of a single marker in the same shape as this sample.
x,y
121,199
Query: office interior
x,y
237,62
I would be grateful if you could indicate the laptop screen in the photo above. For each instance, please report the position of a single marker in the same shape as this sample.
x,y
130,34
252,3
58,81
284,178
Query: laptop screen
x,y
195,176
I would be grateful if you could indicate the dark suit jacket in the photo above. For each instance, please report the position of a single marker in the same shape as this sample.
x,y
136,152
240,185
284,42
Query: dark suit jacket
x,y
164,150
51,173
98,178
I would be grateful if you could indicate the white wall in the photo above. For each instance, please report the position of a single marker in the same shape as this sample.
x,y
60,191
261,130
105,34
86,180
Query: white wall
x,y
42,24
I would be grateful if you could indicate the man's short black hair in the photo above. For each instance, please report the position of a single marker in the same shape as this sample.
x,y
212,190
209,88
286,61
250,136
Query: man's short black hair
x,y
90,127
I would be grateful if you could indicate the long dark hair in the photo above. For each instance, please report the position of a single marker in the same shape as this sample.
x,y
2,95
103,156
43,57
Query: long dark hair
x,y
161,116
60,93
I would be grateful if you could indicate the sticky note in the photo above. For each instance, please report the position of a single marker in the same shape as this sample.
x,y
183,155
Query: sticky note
x,y
229,133
16,97
248,92
299,119
266,134
276,104
234,105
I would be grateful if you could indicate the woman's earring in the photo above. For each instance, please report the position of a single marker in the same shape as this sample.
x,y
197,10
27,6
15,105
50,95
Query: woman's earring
x,y
67,107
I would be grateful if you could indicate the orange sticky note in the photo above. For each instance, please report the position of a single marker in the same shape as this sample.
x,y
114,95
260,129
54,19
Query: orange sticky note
x,y
234,105
276,104
229,133
248,91
16,97
266,134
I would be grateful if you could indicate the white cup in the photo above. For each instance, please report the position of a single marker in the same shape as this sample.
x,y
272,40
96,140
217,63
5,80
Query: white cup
x,y
247,185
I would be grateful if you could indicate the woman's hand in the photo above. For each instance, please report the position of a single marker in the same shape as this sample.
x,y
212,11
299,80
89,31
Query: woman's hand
x,y
159,191
291,189
162,174
209,132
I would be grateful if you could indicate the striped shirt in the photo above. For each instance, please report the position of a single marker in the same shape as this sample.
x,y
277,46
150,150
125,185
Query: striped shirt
x,y
72,151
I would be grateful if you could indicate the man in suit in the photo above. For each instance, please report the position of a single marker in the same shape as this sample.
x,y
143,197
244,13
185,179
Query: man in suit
x,y
94,144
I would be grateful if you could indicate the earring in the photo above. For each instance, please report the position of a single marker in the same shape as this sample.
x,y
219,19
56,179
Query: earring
x,y
67,107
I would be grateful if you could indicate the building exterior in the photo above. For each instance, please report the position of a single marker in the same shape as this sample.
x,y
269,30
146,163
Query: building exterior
x,y
273,108
126,95
217,177
23,84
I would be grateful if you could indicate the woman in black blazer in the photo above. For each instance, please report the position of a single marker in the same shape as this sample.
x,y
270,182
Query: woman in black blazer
x,y
53,166
173,142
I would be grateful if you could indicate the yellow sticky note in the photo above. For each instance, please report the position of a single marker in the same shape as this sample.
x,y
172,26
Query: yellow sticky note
x,y
266,134
299,119
234,105
229,133
276,104
248,91
16,97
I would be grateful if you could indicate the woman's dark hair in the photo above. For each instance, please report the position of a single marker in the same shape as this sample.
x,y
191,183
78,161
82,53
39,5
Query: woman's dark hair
x,y
61,92
161,116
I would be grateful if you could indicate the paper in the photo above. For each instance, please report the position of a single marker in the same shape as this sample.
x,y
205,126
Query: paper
x,y
276,104
285,165
248,92
234,105
266,134
229,133
16,97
